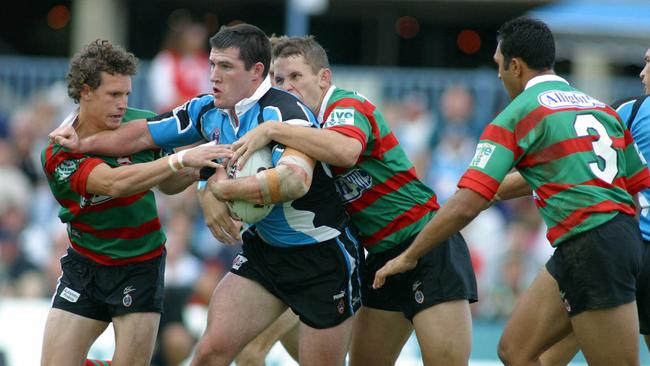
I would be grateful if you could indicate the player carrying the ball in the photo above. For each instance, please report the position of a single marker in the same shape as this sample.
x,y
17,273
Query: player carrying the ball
x,y
302,255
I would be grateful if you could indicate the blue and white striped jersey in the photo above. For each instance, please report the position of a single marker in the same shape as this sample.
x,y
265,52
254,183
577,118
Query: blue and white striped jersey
x,y
317,216
637,118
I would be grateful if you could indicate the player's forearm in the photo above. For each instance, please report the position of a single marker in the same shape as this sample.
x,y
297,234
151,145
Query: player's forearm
x,y
280,184
179,182
129,180
321,144
453,216
129,138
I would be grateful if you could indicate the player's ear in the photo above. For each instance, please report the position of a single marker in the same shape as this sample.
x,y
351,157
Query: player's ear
x,y
517,65
325,79
258,70
85,92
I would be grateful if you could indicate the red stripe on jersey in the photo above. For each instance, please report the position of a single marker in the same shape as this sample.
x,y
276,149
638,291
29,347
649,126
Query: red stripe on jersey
x,y
545,191
371,195
480,183
119,233
353,132
558,150
407,218
79,178
639,181
504,137
53,160
578,216
108,261
76,209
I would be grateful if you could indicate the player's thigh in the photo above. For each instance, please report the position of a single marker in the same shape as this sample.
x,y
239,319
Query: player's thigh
x,y
68,337
378,337
135,338
239,310
444,333
609,336
325,347
538,320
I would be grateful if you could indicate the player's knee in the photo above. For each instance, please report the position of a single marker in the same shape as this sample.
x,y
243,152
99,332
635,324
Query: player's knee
x,y
505,352
210,352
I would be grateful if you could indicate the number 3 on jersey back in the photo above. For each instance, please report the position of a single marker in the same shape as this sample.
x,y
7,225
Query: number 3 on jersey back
x,y
607,157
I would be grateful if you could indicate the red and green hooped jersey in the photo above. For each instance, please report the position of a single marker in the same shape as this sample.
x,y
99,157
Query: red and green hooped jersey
x,y
388,204
109,230
572,149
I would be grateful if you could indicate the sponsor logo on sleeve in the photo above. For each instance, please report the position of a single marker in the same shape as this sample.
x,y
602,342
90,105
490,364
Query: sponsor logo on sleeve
x,y
340,117
484,151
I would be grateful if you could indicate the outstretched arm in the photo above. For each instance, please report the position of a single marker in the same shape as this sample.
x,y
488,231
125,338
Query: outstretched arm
x,y
128,180
323,145
128,139
289,180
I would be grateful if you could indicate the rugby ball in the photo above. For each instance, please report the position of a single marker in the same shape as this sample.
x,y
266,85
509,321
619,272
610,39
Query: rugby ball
x,y
246,211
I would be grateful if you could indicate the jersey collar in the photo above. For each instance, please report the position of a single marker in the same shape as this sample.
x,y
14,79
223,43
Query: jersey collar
x,y
323,105
247,103
544,78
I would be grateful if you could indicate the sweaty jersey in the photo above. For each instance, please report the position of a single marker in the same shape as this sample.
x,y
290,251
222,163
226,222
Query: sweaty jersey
x,y
386,201
636,115
573,151
109,230
313,218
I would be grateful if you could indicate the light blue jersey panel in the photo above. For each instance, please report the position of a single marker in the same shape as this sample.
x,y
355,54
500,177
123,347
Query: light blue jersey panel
x,y
183,126
640,129
308,220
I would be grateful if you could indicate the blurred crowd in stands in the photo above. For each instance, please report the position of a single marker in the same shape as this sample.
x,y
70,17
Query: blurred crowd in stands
x,y
507,241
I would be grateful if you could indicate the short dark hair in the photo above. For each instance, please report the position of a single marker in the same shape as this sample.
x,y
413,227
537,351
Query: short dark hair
x,y
87,65
252,42
529,39
306,46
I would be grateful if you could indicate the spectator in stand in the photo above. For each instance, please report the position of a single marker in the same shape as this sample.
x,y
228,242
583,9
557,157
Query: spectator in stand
x,y
180,70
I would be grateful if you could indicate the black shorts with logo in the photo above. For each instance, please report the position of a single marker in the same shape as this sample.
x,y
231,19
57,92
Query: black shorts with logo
x,y
598,269
102,292
643,291
319,282
444,274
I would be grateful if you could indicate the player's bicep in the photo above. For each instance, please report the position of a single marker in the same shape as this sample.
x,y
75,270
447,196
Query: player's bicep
x,y
97,181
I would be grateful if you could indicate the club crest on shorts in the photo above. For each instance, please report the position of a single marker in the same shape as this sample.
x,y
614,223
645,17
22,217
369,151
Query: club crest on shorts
x,y
127,300
341,306
419,297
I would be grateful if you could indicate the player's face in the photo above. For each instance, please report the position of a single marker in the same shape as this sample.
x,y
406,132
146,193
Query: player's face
x,y
645,73
109,101
231,82
508,77
294,75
